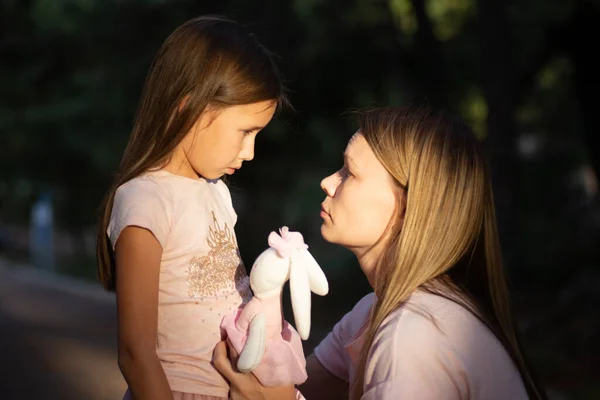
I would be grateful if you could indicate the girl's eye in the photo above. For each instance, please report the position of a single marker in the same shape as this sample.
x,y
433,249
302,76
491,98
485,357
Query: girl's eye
x,y
246,133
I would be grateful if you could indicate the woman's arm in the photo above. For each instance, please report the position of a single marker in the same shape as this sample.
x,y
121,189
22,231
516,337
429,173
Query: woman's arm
x,y
245,386
138,254
322,384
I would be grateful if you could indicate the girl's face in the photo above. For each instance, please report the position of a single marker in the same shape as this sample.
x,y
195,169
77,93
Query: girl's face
x,y
361,199
221,140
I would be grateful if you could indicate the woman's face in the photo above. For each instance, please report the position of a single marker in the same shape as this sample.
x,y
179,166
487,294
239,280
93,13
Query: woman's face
x,y
361,199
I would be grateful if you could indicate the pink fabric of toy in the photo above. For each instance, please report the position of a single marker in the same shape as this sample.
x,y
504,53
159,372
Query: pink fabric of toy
x,y
286,242
283,362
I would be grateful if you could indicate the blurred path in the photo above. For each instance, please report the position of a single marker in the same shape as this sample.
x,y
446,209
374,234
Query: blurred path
x,y
57,338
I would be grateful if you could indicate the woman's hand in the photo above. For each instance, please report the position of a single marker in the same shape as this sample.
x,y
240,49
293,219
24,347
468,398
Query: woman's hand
x,y
246,386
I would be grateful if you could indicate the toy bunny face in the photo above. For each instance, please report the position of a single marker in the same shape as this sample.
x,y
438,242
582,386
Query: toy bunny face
x,y
269,273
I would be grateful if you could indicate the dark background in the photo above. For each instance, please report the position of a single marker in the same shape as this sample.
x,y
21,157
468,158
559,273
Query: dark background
x,y
522,73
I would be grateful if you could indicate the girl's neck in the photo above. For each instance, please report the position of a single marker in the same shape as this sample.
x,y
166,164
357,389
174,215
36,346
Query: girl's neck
x,y
179,165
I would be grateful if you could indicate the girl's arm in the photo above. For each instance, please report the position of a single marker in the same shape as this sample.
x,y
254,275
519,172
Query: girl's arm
x,y
138,254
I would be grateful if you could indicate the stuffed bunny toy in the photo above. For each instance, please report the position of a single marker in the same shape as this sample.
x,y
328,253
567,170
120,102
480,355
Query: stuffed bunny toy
x,y
267,345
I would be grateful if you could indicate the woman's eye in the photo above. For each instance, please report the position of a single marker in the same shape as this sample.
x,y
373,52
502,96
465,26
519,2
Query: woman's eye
x,y
345,173
246,133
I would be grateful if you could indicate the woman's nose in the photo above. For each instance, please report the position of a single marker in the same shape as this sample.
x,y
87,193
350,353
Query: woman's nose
x,y
329,185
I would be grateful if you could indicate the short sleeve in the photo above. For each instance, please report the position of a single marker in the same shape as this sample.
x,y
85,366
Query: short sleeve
x,y
412,358
143,203
331,352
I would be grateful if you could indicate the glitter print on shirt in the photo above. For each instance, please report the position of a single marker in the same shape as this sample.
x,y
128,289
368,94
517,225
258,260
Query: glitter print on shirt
x,y
221,270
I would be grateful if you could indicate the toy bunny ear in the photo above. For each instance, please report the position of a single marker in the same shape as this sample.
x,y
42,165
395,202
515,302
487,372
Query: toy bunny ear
x,y
300,295
316,278
305,276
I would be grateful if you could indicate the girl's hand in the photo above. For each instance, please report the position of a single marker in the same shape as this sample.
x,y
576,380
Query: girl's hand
x,y
246,386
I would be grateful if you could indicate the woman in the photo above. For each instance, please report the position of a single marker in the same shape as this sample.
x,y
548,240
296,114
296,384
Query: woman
x,y
414,203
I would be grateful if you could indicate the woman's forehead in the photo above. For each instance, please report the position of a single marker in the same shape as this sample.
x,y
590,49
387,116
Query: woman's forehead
x,y
354,137
358,147
352,143
359,153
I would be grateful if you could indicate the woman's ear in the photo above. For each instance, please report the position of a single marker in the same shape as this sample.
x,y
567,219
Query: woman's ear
x,y
402,195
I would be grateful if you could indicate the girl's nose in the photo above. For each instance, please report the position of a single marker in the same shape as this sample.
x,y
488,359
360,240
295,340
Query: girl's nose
x,y
247,153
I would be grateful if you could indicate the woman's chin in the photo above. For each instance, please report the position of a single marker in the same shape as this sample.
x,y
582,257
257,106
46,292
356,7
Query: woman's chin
x,y
329,234
326,232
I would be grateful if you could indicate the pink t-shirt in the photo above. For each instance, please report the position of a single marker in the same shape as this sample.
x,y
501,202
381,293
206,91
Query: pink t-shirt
x,y
202,276
412,358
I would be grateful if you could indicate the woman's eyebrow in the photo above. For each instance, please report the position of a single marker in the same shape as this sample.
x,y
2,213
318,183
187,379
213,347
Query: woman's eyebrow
x,y
350,160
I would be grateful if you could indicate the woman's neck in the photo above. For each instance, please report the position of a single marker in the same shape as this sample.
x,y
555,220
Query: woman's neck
x,y
367,259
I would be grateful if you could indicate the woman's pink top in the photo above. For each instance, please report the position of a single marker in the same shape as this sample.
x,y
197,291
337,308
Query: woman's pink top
x,y
431,348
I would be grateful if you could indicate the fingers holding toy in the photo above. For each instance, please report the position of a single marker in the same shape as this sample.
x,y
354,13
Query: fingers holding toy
x,y
233,355
245,386
222,359
242,386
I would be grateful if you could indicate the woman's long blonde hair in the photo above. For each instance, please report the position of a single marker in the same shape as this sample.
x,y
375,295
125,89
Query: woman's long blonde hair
x,y
448,243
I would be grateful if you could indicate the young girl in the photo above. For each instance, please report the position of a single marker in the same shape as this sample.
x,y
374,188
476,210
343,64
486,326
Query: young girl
x,y
166,240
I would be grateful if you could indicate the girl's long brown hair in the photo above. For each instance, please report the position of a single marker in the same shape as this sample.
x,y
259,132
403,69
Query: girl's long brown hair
x,y
448,244
207,60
